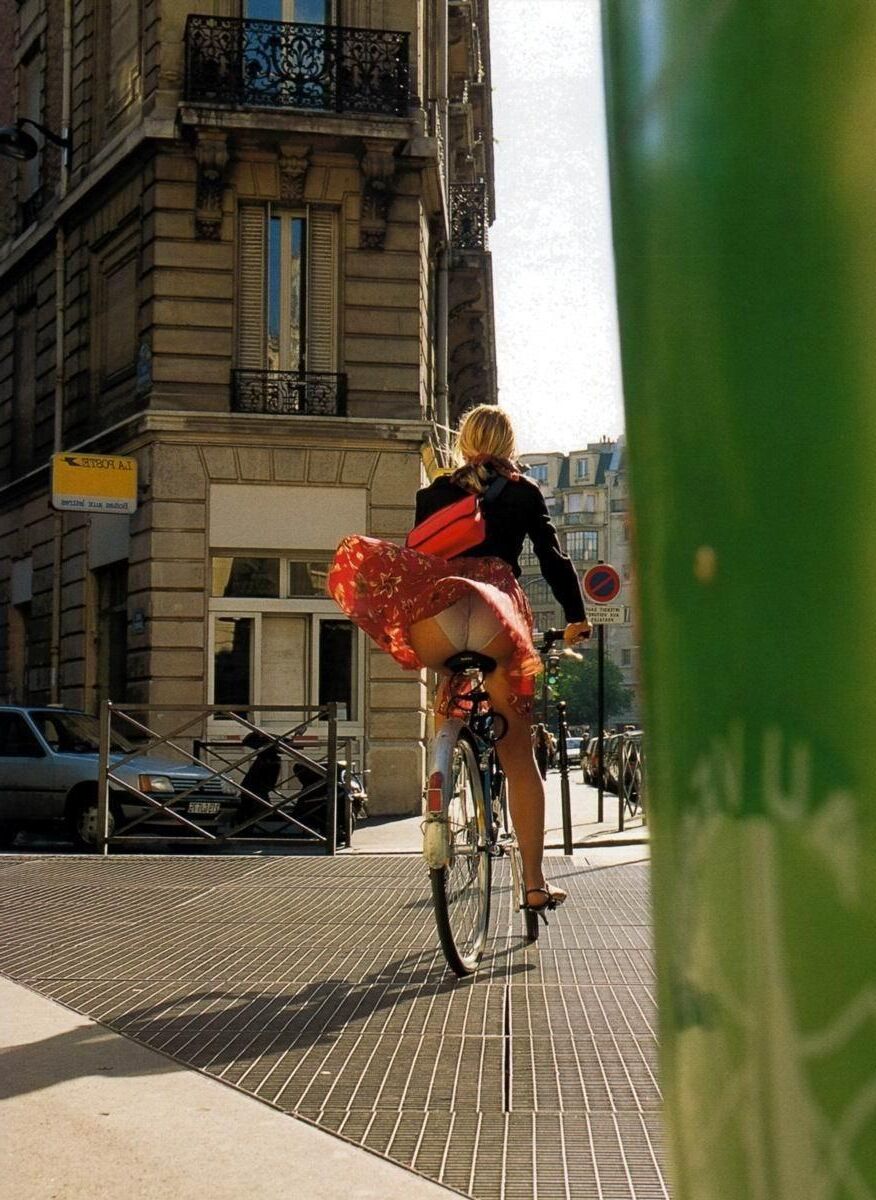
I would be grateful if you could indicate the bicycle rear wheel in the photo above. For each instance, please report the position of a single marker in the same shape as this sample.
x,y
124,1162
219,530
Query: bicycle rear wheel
x,y
461,889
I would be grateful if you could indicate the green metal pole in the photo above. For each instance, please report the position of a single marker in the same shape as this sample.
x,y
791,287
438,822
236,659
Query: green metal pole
x,y
744,210
565,792
600,733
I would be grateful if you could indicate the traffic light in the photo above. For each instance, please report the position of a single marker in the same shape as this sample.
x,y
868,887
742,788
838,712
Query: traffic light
x,y
553,672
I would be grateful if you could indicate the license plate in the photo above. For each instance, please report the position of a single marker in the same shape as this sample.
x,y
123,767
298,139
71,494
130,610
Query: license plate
x,y
204,808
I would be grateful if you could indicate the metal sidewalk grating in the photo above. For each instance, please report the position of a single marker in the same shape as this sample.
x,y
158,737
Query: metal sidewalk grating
x,y
536,1079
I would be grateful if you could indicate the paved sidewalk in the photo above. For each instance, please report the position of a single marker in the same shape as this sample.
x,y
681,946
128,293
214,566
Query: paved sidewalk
x,y
90,1115
402,835
315,985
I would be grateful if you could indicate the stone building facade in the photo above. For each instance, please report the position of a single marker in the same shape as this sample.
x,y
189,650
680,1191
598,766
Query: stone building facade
x,y
262,270
587,494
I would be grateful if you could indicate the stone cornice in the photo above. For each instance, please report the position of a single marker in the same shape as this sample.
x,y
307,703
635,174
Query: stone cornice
x,y
253,428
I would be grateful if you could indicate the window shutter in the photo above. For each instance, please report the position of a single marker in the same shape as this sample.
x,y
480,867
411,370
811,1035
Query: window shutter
x,y
251,287
322,291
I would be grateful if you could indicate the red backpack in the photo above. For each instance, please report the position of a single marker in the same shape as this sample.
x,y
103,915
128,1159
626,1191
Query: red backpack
x,y
455,528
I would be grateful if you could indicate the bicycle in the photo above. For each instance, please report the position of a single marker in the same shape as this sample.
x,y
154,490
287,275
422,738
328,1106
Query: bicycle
x,y
466,823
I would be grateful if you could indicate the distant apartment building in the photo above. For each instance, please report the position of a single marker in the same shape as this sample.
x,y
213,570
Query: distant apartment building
x,y
261,269
587,495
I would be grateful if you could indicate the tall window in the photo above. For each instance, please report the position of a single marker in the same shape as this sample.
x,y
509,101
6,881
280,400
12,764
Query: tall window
x,y
117,76
538,472
287,249
24,396
589,503
626,658
112,632
287,289
277,640
316,12
574,502
582,545
30,104
538,592
581,468
19,652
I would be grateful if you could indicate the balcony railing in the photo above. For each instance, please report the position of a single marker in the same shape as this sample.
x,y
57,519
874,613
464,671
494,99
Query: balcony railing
x,y
581,518
468,216
289,393
281,64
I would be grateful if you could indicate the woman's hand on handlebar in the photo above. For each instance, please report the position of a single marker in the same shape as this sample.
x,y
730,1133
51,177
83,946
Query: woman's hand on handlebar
x,y
577,631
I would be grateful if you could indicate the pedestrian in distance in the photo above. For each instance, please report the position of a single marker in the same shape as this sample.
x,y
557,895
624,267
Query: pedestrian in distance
x,y
542,749
423,609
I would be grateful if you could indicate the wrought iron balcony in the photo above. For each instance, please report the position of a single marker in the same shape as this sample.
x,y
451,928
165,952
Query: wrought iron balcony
x,y
250,63
289,393
468,216
581,518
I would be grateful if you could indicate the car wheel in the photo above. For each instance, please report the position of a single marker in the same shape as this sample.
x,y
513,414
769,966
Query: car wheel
x,y
85,824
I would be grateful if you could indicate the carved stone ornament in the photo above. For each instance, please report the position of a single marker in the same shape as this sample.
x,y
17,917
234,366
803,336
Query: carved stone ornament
x,y
293,173
378,168
211,154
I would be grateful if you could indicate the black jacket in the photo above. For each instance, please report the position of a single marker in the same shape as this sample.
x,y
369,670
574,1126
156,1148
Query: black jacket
x,y
519,511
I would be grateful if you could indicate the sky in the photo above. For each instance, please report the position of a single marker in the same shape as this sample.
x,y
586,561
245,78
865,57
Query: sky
x,y
553,271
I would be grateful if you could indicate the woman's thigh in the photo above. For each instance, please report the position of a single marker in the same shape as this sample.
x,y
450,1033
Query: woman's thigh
x,y
515,748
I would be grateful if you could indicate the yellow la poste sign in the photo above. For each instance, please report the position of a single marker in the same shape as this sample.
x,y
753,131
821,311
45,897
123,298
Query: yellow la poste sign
x,y
105,483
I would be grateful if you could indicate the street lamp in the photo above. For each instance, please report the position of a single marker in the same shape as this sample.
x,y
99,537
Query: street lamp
x,y
16,143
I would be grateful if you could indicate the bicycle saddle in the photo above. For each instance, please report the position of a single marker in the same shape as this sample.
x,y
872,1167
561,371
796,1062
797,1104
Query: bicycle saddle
x,y
470,660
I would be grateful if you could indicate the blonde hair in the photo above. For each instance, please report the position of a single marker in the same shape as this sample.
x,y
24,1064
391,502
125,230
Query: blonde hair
x,y
484,433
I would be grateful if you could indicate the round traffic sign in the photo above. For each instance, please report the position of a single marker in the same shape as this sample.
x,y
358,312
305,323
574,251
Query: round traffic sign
x,y
602,584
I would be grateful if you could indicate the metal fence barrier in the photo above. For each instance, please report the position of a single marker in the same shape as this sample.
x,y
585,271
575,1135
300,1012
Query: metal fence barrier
x,y
631,779
192,801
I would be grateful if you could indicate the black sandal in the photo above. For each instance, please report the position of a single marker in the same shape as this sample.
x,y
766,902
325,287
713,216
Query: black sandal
x,y
554,897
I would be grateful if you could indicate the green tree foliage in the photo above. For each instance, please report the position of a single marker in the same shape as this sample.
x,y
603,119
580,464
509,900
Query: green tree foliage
x,y
577,685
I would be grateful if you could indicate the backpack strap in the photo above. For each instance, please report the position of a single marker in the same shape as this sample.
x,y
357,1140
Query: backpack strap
x,y
494,490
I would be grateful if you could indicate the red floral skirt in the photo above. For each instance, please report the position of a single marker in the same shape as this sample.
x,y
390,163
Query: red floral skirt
x,y
385,589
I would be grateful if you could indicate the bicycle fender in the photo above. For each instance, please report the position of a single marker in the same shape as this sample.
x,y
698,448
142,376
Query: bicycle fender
x,y
436,842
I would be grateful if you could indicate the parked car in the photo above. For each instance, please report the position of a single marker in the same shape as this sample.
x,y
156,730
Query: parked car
x,y
611,762
49,775
573,751
590,761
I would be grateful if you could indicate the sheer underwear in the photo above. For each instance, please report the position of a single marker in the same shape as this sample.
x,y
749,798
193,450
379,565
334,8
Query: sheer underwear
x,y
469,624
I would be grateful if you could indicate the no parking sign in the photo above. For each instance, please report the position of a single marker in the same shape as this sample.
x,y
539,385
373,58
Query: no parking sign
x,y
602,585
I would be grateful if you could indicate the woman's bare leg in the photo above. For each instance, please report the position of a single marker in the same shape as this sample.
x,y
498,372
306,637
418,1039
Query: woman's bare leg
x,y
525,787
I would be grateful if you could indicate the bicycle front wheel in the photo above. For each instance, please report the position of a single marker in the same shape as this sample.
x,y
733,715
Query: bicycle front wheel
x,y
461,889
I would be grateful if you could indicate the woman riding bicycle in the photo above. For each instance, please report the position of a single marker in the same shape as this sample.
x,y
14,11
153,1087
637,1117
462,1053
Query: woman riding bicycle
x,y
424,610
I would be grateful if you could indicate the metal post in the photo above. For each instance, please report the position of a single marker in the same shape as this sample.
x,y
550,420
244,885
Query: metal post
x,y
331,843
348,797
564,778
622,783
600,716
102,779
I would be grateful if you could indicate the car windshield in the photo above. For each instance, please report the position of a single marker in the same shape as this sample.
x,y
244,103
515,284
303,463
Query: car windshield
x,y
74,733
